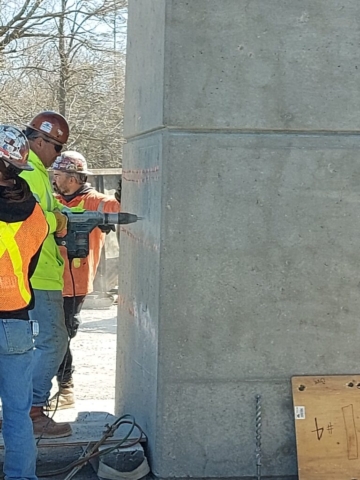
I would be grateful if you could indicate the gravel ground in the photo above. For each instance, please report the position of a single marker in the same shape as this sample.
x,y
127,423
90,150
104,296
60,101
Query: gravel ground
x,y
94,352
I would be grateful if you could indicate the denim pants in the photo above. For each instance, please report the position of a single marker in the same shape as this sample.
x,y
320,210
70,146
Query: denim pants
x,y
16,362
50,344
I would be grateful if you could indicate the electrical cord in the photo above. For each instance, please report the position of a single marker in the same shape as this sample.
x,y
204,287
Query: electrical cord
x,y
94,451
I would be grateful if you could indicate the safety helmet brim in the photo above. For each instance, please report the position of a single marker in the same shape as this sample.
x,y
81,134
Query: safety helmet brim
x,y
83,172
43,133
52,125
15,163
27,167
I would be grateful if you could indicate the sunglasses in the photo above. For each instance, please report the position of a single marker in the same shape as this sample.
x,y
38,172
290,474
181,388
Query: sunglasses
x,y
57,147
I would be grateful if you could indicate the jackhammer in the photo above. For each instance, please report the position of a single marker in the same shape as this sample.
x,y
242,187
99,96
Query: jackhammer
x,y
81,224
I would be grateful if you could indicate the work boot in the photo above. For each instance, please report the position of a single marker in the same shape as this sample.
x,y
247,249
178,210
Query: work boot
x,y
46,427
63,399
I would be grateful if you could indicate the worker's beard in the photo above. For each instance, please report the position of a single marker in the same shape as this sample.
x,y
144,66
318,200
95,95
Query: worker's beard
x,y
55,188
63,190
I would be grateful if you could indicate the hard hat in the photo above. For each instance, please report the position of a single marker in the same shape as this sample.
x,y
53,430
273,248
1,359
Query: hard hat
x,y
51,124
71,162
14,147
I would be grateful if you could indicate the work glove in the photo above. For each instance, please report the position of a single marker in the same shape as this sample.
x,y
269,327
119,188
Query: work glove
x,y
61,222
117,193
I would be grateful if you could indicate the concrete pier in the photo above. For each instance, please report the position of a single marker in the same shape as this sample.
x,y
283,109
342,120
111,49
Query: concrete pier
x,y
242,124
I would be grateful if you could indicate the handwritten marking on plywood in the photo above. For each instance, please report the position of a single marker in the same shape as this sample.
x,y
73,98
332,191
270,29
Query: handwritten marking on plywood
x,y
327,423
351,435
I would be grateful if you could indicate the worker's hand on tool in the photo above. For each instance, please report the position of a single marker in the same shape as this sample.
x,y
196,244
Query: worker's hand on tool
x,y
61,223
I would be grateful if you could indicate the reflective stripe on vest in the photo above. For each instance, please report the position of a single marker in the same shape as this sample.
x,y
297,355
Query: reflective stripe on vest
x,y
19,242
8,242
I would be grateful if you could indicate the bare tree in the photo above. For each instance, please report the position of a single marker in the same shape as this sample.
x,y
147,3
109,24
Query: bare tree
x,y
74,63
20,20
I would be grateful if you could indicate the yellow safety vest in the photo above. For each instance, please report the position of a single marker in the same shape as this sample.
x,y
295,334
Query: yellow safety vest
x,y
19,242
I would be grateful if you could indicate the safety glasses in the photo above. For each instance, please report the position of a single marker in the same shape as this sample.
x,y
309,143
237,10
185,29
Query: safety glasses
x,y
56,146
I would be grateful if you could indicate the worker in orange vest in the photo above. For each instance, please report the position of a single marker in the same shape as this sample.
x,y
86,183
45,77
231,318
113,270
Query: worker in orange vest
x,y
23,229
70,174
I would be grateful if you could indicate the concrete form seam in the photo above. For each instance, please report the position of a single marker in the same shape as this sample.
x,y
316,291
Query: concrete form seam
x,y
242,131
145,133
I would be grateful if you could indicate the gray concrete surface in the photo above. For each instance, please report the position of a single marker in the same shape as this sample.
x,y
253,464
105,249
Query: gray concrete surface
x,y
242,155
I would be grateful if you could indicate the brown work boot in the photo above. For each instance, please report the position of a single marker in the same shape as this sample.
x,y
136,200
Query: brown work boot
x,y
46,427
63,399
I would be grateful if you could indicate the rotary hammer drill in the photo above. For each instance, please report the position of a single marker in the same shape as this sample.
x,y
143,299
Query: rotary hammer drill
x,y
80,225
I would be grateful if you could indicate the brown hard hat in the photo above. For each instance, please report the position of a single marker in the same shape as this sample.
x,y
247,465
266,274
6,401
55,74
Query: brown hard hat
x,y
52,125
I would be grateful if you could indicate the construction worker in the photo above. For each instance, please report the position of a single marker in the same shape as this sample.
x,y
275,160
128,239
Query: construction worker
x,y
70,174
23,229
47,132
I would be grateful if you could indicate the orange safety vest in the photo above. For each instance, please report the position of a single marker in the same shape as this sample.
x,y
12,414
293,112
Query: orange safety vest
x,y
19,242
84,269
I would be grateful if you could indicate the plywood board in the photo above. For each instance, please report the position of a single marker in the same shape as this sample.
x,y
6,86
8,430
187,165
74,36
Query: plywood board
x,y
327,423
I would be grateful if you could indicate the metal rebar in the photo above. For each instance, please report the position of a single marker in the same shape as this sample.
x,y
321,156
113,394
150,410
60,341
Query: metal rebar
x,y
258,432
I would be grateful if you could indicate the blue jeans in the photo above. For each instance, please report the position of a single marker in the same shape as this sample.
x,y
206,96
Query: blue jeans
x,y
50,344
16,362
